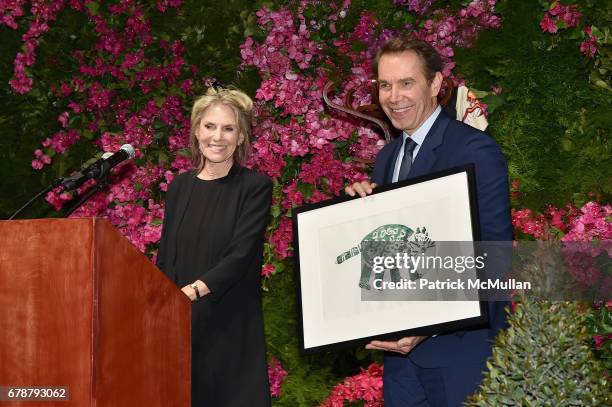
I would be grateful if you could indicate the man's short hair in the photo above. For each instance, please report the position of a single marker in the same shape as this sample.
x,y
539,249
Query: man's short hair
x,y
430,59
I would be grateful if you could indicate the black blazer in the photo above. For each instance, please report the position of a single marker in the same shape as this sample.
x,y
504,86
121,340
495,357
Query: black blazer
x,y
228,344
246,202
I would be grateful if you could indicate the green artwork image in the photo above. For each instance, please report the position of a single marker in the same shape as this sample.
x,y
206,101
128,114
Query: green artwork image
x,y
397,239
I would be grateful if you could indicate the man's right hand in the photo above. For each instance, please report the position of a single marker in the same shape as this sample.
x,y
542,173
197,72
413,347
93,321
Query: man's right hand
x,y
362,188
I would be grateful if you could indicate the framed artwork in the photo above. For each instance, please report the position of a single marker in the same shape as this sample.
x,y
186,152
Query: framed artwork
x,y
339,250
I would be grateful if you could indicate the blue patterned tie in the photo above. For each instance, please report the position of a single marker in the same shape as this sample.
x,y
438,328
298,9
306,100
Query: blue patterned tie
x,y
409,146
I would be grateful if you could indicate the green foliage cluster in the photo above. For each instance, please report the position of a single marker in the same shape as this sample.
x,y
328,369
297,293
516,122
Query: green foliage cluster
x,y
544,359
552,124
553,121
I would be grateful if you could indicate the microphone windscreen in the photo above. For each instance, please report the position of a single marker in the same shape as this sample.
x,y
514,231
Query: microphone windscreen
x,y
129,150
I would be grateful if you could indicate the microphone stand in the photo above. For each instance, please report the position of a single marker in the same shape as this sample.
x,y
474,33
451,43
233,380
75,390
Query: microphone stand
x,y
97,170
80,200
53,185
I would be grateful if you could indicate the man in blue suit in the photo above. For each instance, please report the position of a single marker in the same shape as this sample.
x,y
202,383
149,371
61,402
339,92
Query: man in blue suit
x,y
442,370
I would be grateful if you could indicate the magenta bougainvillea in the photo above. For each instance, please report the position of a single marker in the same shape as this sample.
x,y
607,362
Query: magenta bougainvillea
x,y
276,375
366,386
99,105
311,151
561,16
43,13
587,236
135,86
590,222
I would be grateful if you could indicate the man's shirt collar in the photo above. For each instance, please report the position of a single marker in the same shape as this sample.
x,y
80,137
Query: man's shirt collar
x,y
419,135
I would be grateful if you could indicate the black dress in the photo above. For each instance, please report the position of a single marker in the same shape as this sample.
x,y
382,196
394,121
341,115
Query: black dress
x,y
213,231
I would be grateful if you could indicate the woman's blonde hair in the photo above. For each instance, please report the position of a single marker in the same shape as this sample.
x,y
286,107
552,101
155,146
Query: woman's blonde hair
x,y
242,106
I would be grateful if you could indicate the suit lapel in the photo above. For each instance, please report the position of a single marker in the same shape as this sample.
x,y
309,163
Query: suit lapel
x,y
426,157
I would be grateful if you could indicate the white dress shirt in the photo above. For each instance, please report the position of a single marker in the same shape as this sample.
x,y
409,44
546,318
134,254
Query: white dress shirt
x,y
418,137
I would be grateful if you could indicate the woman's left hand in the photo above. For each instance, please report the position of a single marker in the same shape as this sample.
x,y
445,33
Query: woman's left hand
x,y
189,291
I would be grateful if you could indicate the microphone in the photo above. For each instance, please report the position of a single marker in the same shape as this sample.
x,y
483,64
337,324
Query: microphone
x,y
99,168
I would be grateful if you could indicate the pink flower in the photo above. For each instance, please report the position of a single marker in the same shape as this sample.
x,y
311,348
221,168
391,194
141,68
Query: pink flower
x,y
276,375
41,159
99,98
589,46
529,223
186,85
292,196
548,25
57,198
132,59
21,83
572,16
446,28
417,6
560,15
162,5
181,163
366,386
267,270
63,119
65,89
600,340
10,11
43,13
281,238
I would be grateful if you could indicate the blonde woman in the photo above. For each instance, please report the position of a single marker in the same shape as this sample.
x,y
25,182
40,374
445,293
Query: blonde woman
x,y
211,247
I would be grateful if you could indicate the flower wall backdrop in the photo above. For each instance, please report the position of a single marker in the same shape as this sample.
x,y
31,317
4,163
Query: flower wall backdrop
x,y
82,77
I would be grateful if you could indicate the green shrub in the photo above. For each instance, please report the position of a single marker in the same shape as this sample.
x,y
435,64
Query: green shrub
x,y
544,359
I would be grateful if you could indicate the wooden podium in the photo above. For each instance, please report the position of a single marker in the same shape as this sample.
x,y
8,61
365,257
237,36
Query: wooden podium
x,y
81,307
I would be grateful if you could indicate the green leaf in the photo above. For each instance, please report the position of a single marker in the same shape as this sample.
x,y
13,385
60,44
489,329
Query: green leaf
x,y
306,189
93,7
157,222
494,101
275,211
358,46
185,152
87,134
280,266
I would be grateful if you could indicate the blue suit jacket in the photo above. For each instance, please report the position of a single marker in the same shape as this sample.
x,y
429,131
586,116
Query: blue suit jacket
x,y
448,144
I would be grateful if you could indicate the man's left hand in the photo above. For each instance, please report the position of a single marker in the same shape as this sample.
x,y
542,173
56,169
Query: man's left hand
x,y
403,345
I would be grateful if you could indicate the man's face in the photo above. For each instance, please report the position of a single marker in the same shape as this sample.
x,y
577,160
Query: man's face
x,y
403,91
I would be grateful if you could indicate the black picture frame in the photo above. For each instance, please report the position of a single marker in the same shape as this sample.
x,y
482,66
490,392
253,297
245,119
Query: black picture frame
x,y
303,215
